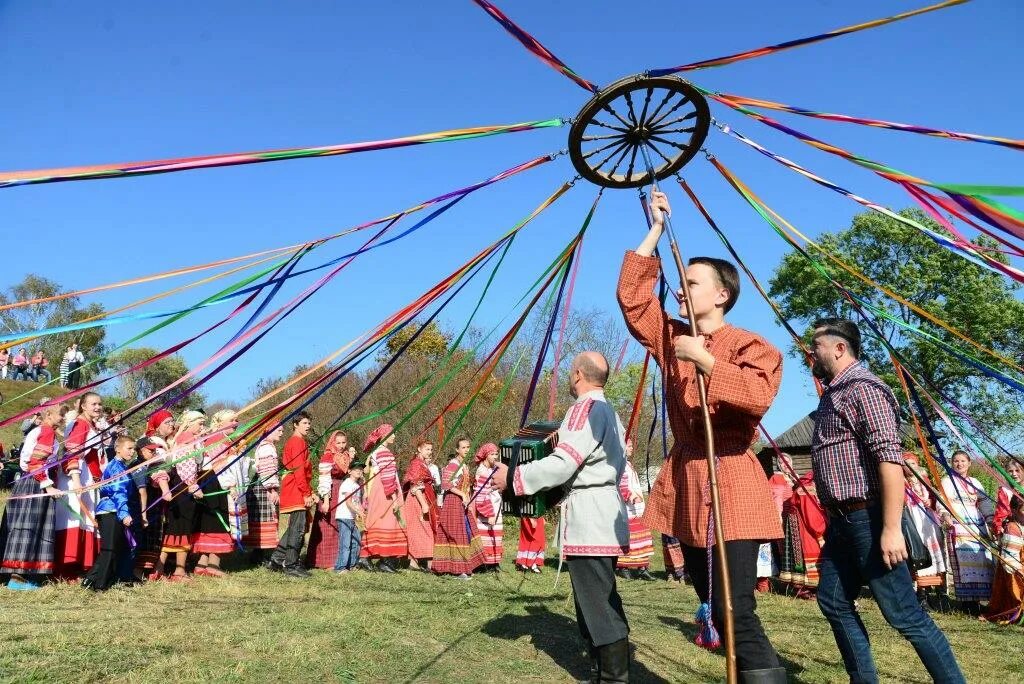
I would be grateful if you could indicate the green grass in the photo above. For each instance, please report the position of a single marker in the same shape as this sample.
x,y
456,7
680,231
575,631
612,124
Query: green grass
x,y
11,435
258,626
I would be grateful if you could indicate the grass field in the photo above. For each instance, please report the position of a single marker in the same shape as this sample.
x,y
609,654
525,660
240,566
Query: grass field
x,y
259,626
11,435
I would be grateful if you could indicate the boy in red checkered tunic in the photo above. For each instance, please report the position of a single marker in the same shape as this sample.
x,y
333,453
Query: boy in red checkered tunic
x,y
743,373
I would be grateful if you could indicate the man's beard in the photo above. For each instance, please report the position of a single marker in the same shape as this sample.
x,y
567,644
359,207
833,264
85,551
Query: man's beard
x,y
572,391
819,371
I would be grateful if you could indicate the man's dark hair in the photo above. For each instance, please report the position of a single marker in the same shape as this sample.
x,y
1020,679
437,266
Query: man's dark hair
x,y
297,418
728,277
840,327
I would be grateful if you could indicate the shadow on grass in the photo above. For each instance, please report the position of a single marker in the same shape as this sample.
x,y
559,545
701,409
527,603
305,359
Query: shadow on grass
x,y
690,630
558,637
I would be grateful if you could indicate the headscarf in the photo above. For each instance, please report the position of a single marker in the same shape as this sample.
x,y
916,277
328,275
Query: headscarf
x,y
374,438
341,459
486,450
185,435
156,420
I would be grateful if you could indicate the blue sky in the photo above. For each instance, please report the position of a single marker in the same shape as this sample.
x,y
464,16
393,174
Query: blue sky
x,y
103,82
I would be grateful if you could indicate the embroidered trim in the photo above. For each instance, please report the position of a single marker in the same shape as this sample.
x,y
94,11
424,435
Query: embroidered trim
x,y
571,452
578,418
597,550
517,482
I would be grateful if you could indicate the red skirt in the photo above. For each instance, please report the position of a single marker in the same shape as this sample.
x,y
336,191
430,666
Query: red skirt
x,y
641,546
420,532
532,542
212,542
75,552
323,537
456,546
384,535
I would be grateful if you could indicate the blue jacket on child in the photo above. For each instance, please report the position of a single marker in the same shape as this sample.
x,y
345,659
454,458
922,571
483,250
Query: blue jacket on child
x,y
115,495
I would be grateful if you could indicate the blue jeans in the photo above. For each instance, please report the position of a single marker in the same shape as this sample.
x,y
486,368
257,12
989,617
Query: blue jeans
x,y
36,372
852,558
348,545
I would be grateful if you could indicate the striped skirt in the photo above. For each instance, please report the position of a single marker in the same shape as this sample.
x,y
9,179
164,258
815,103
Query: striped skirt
x,y
532,542
27,532
262,520
672,553
972,567
212,533
456,546
322,551
641,543
491,538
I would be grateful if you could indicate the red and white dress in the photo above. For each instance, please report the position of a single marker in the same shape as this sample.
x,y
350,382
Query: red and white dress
x,y
419,530
384,536
75,540
641,544
488,505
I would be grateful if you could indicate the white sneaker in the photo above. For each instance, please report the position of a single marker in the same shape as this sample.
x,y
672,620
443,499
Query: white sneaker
x,y
534,568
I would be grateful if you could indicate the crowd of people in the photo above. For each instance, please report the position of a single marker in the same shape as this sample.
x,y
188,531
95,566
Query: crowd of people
x,y
35,367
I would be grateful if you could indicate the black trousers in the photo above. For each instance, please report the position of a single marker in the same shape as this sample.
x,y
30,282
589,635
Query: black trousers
x,y
599,611
753,650
112,546
290,545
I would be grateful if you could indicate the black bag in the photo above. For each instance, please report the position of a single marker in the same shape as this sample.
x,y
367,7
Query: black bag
x,y
918,556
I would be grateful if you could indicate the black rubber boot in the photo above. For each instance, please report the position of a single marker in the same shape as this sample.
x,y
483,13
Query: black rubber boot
x,y
614,661
595,668
774,675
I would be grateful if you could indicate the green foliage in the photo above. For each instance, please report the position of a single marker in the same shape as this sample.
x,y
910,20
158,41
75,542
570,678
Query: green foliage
x,y
431,345
49,315
138,385
981,304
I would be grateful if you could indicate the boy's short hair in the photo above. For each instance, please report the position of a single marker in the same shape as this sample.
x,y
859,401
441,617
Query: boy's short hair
x,y
124,439
297,418
728,277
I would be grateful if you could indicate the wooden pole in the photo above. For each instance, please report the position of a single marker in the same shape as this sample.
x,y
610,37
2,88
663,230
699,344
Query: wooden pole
x,y
709,443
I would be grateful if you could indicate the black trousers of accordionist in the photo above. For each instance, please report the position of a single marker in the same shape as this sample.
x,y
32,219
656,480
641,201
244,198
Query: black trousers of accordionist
x,y
598,605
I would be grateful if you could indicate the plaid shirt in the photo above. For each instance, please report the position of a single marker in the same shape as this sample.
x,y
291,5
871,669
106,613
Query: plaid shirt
x,y
856,428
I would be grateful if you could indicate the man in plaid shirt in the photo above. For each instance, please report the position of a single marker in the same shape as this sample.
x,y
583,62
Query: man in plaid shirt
x,y
858,471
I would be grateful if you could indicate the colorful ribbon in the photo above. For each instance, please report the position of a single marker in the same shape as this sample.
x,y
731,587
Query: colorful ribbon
x,y
800,42
874,123
14,178
534,46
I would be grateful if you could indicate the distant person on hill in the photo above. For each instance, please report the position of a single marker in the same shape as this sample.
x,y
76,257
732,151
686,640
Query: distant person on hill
x,y
5,357
41,367
75,361
19,366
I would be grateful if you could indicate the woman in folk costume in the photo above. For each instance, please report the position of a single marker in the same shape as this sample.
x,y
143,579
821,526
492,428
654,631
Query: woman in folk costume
x,y
26,533
385,539
780,486
182,471
420,509
148,560
636,563
456,543
486,501
532,542
1006,606
921,508
75,541
322,550
263,496
219,475
971,560
804,522
1015,470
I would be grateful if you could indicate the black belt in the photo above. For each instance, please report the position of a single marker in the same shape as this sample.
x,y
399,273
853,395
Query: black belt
x,y
840,510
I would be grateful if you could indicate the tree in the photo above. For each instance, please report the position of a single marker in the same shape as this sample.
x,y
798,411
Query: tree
x,y
50,315
431,345
979,303
138,385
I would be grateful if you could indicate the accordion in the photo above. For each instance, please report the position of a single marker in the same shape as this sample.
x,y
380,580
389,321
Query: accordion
x,y
531,443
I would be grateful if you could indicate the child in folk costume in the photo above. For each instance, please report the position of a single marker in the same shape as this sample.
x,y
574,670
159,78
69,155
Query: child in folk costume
x,y
182,487
128,569
297,497
590,460
349,515
217,475
385,540
75,542
420,508
263,496
26,532
487,504
456,543
636,563
1006,605
113,516
323,536
532,542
